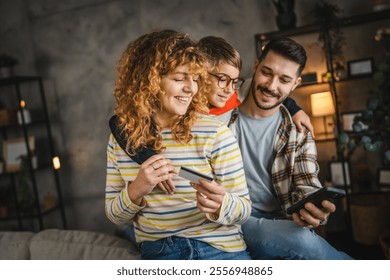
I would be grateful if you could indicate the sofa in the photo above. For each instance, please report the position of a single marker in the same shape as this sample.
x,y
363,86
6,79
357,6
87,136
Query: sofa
x,y
59,244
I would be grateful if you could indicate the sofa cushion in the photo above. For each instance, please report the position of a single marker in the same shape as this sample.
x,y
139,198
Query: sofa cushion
x,y
56,244
15,245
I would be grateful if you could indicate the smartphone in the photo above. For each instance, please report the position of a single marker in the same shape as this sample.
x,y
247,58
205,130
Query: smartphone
x,y
193,175
317,197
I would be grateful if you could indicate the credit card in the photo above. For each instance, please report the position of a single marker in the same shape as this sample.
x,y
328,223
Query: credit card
x,y
192,175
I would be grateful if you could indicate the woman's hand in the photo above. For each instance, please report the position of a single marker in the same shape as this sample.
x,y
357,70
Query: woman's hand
x,y
210,196
167,186
155,170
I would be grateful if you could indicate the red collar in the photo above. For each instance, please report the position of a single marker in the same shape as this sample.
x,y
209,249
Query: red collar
x,y
232,103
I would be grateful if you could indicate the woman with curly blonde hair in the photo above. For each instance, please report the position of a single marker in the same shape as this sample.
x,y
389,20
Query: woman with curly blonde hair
x,y
161,105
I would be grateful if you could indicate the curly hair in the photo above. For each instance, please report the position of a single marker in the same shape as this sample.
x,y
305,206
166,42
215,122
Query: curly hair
x,y
137,89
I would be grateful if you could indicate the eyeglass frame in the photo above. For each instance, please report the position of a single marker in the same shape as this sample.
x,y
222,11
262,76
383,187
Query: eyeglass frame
x,y
229,80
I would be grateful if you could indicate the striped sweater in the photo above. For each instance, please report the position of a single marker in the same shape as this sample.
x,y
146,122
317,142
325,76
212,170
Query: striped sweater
x,y
212,151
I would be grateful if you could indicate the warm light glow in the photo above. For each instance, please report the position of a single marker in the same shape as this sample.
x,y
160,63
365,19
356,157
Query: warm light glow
x,y
56,163
322,104
22,104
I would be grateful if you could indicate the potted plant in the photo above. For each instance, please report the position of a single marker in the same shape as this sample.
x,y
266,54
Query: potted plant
x,y
286,18
7,62
377,114
330,35
375,137
26,201
4,201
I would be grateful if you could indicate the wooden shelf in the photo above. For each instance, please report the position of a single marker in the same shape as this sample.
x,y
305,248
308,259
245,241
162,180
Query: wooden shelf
x,y
260,38
337,82
30,216
40,167
18,79
16,125
324,139
348,21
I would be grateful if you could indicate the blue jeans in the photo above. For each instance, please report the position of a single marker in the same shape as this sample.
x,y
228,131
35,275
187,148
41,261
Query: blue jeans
x,y
272,238
128,233
179,248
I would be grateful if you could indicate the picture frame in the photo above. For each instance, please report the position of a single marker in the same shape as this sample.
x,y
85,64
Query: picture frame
x,y
347,119
13,149
383,178
309,78
336,173
360,67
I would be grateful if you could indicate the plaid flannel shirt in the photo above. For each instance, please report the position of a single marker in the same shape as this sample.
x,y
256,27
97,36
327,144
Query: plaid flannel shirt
x,y
295,168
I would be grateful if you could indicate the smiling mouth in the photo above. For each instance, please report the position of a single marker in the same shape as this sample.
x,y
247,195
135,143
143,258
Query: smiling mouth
x,y
223,96
268,94
182,99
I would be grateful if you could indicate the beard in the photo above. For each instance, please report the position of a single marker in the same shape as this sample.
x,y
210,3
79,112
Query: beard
x,y
277,95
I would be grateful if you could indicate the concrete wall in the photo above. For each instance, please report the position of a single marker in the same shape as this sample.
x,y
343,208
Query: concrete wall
x,y
74,45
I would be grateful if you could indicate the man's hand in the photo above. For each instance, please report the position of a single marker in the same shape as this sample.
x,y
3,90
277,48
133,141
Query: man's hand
x,y
301,119
313,216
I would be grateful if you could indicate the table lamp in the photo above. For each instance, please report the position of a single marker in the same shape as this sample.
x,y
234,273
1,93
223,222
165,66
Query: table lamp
x,y
322,106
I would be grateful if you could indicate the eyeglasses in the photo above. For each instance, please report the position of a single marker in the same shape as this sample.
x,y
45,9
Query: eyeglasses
x,y
224,81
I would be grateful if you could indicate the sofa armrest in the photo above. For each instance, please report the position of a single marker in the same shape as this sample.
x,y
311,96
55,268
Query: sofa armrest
x,y
56,244
14,245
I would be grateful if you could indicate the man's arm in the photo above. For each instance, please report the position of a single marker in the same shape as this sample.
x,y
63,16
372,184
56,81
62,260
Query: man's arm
x,y
306,176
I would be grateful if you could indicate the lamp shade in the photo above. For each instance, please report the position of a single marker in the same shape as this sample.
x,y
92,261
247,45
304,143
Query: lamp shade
x,y
322,104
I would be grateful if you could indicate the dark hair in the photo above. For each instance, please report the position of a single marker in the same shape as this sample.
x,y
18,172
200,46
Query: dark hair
x,y
217,51
287,48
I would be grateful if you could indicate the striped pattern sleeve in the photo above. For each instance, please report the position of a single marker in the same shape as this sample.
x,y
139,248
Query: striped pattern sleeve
x,y
118,205
228,169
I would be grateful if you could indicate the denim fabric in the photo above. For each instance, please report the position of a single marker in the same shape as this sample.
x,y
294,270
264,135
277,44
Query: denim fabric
x,y
128,233
179,248
275,238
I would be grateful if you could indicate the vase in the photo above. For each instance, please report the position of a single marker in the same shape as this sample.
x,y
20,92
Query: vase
x,y
286,20
370,216
26,117
386,43
3,211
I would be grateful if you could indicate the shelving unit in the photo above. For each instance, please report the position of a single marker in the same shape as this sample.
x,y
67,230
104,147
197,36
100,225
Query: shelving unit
x,y
14,93
262,38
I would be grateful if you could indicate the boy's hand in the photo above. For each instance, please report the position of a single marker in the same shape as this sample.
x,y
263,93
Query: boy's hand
x,y
301,119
